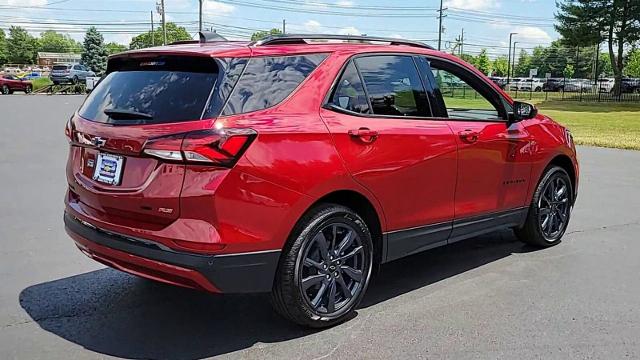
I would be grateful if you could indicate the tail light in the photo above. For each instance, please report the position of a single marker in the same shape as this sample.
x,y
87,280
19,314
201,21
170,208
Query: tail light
x,y
68,130
220,147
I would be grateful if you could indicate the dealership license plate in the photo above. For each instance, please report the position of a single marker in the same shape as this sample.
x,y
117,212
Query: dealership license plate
x,y
108,168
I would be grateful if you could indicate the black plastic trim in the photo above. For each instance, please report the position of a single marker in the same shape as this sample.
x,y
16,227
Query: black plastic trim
x,y
401,243
230,273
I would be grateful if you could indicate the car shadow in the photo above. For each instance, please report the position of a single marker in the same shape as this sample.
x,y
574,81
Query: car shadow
x,y
116,314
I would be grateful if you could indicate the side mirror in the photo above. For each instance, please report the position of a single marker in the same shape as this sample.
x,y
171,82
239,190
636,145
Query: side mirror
x,y
523,111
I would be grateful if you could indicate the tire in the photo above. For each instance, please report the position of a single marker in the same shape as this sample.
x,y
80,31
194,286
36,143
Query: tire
x,y
74,80
535,232
348,271
5,90
28,89
538,89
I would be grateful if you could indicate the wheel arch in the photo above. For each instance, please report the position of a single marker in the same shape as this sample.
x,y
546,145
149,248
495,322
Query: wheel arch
x,y
565,162
359,203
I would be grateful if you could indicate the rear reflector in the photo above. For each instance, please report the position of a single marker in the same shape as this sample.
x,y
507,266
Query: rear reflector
x,y
220,147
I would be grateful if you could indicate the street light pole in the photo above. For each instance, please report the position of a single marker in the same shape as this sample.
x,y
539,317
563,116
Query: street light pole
x,y
509,59
200,19
513,68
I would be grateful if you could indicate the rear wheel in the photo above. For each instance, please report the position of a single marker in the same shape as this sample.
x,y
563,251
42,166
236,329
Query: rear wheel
x,y
74,80
325,268
549,211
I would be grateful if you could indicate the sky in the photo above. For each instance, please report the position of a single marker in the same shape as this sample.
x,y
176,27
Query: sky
x,y
486,23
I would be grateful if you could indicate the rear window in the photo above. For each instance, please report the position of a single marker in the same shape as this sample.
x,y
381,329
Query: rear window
x,y
60,67
267,81
152,90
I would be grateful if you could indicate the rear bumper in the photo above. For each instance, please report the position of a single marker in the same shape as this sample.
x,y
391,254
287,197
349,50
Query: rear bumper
x,y
228,273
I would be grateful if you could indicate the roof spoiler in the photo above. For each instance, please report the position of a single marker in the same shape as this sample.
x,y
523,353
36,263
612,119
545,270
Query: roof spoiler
x,y
203,38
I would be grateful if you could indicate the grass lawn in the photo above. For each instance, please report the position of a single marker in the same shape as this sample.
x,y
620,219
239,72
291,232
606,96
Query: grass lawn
x,y
40,82
605,124
614,125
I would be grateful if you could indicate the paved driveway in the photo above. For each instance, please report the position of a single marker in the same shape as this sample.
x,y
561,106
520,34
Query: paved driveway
x,y
489,297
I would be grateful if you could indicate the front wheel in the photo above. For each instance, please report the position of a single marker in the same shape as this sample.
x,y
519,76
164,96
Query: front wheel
x,y
325,268
6,90
550,209
28,89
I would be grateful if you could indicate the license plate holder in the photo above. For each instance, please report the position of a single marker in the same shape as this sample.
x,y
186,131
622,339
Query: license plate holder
x,y
108,168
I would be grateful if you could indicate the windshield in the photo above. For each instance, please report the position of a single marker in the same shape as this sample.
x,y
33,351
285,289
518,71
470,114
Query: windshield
x,y
152,90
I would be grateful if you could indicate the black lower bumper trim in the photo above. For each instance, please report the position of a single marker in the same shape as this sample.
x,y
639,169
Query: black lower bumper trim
x,y
230,273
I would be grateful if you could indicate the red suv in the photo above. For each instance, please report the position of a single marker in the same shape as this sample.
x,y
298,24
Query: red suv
x,y
296,165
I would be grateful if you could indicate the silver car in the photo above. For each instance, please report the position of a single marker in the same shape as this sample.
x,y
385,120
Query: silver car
x,y
69,73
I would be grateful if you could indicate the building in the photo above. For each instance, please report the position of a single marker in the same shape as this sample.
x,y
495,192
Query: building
x,y
48,59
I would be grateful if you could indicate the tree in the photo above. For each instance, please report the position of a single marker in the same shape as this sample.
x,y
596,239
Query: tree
x,y
591,22
94,54
21,47
499,66
174,33
259,35
482,62
114,48
633,64
3,48
568,71
52,41
524,64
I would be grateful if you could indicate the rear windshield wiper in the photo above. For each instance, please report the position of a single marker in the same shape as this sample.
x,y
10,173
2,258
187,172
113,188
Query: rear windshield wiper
x,y
126,114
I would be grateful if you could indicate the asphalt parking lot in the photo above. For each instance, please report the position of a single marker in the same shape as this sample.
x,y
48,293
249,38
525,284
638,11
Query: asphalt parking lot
x,y
489,297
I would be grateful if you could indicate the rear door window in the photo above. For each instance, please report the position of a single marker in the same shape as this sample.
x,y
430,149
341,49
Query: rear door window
x,y
152,90
267,81
349,93
393,85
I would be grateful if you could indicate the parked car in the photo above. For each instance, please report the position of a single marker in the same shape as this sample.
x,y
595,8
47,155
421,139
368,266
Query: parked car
x,y
554,84
266,166
578,85
11,83
500,81
606,85
531,84
514,84
628,85
69,73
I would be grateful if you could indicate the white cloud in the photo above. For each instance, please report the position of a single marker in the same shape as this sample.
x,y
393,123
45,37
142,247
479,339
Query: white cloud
x,y
349,30
312,26
24,2
345,3
217,8
396,36
472,4
532,34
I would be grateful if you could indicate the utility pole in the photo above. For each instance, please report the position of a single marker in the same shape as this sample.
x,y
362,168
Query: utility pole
x,y
284,26
509,59
153,37
462,43
160,8
200,19
440,16
595,65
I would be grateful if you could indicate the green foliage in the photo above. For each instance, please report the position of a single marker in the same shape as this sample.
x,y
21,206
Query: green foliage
x,y
51,41
568,71
40,82
500,66
114,48
482,62
633,64
94,54
524,64
259,35
21,47
3,48
174,33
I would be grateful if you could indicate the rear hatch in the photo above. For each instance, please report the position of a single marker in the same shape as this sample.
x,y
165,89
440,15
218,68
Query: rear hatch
x,y
60,70
141,100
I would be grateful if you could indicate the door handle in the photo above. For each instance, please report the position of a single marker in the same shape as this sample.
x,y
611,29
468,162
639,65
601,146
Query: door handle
x,y
469,135
365,135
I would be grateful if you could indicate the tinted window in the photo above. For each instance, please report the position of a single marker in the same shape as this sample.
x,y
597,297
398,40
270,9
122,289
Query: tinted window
x,y
266,81
60,67
165,89
393,85
349,93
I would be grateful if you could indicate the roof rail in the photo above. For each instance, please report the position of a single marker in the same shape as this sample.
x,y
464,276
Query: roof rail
x,y
204,37
302,39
